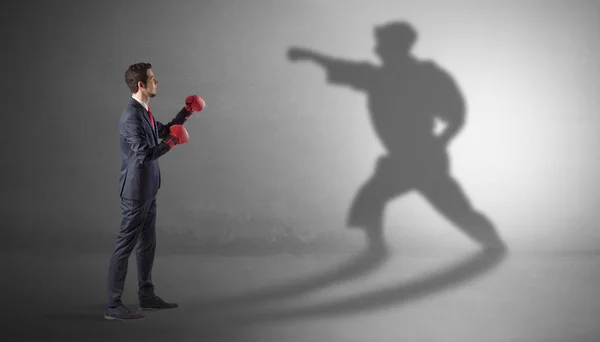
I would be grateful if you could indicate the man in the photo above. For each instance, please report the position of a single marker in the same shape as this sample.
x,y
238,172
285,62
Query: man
x,y
143,141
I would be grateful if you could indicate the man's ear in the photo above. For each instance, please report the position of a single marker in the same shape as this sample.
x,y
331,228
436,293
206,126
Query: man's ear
x,y
141,85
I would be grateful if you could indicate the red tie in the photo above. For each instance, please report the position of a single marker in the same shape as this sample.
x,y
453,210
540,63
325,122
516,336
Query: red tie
x,y
151,117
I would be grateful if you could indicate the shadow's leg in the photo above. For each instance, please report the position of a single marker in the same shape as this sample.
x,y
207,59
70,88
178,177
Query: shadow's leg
x,y
444,193
368,207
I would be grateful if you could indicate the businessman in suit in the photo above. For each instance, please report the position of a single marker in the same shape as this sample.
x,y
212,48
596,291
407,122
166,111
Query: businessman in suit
x,y
143,141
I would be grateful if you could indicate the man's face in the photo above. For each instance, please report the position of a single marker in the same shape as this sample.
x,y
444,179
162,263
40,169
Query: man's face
x,y
151,84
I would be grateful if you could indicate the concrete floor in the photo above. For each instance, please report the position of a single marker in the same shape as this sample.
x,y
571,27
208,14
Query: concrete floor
x,y
400,296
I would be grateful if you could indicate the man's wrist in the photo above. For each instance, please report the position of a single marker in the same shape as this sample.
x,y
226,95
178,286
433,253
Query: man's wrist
x,y
171,141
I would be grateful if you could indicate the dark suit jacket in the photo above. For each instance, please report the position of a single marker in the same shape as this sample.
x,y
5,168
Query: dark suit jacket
x,y
141,146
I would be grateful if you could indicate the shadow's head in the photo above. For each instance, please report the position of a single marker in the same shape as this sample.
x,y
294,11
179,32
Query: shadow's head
x,y
394,41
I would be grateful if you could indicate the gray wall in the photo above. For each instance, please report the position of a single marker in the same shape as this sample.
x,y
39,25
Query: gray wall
x,y
279,152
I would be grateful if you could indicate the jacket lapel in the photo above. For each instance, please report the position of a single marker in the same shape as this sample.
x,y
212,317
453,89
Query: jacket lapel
x,y
146,118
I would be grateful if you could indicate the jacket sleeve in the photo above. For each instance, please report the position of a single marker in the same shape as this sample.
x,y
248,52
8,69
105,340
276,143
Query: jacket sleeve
x,y
179,119
133,132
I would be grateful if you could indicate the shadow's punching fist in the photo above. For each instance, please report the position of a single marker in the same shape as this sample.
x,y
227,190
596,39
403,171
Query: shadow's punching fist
x,y
297,54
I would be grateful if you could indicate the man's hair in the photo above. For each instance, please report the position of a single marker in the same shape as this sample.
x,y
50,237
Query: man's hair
x,y
135,73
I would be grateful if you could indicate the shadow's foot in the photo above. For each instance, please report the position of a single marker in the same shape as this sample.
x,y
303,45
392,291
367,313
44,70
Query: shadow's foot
x,y
375,241
499,247
354,223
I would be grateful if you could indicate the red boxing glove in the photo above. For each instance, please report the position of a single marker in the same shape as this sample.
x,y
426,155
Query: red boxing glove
x,y
177,135
194,103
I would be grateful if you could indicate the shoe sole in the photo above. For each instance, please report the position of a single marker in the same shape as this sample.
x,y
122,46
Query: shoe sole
x,y
155,309
112,318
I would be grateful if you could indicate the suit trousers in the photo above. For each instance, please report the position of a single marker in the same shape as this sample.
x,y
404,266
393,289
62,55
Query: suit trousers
x,y
138,227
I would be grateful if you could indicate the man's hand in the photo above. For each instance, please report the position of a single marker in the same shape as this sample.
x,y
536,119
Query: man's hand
x,y
177,135
194,103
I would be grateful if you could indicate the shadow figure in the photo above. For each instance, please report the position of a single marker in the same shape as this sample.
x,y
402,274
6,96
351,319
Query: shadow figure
x,y
406,97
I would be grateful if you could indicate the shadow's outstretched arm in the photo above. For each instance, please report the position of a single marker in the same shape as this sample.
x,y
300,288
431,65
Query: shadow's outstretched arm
x,y
355,74
301,54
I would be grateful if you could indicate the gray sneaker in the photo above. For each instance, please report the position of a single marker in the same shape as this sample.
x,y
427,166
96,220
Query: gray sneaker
x,y
122,313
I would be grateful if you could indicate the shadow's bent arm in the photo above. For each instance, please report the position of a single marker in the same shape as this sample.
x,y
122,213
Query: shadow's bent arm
x,y
300,54
448,103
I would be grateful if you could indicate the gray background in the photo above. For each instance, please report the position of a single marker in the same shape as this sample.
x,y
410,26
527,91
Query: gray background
x,y
278,154
278,151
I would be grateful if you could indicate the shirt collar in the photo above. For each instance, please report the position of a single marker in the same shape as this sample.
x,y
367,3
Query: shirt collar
x,y
141,102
